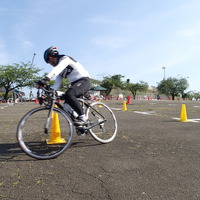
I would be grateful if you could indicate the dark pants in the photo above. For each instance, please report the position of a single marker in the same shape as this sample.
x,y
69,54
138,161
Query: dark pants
x,y
77,89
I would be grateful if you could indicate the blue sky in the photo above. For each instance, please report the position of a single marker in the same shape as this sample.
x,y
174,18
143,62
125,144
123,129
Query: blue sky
x,y
131,37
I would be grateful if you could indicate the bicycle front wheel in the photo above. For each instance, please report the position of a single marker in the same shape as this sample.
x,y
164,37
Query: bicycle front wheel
x,y
106,131
10,102
41,141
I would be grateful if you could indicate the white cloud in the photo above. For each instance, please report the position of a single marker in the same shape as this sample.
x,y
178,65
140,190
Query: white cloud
x,y
27,44
188,33
2,9
103,20
110,21
3,53
109,42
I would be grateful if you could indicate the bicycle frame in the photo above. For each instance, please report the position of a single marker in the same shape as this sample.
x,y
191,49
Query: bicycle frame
x,y
87,105
54,102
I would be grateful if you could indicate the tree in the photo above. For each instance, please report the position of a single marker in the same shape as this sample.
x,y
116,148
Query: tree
x,y
64,85
173,86
194,94
94,82
135,87
18,75
111,82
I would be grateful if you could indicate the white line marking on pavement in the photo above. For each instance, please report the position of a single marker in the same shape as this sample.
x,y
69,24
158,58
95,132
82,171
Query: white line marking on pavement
x,y
189,120
145,113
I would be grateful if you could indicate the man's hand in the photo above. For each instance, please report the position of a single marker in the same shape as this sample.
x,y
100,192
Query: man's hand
x,y
37,86
42,82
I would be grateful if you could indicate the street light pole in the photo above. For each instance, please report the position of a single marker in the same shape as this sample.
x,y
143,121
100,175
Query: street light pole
x,y
164,72
33,59
31,67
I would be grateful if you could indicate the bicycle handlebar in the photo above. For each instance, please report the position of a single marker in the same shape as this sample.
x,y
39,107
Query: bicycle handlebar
x,y
45,88
49,90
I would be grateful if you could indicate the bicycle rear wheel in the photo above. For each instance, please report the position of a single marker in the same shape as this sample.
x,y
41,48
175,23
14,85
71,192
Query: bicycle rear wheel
x,y
35,142
20,101
106,131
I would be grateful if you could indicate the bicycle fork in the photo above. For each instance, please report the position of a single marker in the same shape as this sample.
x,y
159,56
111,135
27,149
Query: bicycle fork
x,y
46,128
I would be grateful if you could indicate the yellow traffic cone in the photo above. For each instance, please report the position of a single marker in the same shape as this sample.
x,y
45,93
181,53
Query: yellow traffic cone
x,y
55,135
183,116
124,108
99,104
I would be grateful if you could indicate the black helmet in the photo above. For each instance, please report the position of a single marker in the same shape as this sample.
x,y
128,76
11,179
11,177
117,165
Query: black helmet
x,y
51,51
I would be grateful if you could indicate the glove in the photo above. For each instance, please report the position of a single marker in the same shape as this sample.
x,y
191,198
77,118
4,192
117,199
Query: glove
x,y
43,81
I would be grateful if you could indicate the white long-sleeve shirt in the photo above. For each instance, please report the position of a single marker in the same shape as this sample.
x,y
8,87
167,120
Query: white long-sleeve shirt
x,y
68,68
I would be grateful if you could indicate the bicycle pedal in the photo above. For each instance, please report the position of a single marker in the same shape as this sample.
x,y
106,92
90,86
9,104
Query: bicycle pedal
x,y
81,133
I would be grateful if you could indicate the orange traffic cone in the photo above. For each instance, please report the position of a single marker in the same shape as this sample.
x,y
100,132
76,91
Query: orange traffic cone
x,y
55,135
183,116
36,100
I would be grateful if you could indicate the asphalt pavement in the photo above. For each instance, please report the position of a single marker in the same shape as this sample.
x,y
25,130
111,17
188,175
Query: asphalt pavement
x,y
154,156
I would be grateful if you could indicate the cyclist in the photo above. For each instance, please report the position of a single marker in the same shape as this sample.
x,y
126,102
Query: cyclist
x,y
16,94
67,67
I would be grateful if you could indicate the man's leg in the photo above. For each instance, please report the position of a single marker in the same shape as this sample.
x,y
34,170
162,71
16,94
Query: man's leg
x,y
76,90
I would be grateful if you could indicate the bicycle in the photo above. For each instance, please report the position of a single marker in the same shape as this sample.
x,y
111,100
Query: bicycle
x,y
19,100
47,131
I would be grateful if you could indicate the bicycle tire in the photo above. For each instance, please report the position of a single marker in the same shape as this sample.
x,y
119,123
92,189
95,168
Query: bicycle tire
x,y
106,131
35,142
10,102
20,101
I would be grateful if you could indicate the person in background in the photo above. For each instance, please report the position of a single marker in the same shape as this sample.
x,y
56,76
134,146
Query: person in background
x,y
16,94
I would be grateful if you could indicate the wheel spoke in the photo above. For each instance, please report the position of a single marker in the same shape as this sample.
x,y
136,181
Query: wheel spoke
x,y
33,139
106,131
